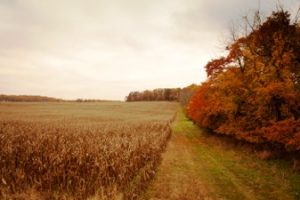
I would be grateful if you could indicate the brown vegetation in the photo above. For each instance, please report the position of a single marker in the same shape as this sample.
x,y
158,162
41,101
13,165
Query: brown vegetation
x,y
51,159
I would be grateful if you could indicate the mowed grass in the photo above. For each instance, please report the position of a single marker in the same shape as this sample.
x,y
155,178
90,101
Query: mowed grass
x,y
236,173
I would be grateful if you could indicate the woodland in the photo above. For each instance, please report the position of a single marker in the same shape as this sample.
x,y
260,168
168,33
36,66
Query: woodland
x,y
253,93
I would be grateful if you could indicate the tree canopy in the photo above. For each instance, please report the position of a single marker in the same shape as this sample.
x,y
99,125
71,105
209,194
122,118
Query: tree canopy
x,y
253,93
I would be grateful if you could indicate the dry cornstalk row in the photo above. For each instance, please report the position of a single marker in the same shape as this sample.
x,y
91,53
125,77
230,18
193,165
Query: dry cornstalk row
x,y
78,160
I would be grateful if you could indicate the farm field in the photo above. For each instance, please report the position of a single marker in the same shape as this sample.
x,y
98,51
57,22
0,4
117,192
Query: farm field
x,y
122,151
106,150
88,112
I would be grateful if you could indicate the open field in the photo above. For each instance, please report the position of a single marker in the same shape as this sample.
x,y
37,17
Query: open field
x,y
112,150
87,112
81,150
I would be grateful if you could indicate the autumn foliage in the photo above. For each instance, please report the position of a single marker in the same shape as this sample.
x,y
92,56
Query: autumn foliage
x,y
253,93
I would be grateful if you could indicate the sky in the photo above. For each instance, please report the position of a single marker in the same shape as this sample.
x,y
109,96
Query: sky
x,y
103,49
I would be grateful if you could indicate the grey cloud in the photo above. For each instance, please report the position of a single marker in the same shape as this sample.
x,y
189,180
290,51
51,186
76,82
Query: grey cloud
x,y
104,49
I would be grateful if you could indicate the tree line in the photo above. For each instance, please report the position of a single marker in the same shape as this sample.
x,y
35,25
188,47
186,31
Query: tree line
x,y
253,93
37,98
163,94
27,98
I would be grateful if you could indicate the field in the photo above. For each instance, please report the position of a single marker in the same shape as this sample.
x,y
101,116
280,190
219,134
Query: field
x,y
122,151
105,150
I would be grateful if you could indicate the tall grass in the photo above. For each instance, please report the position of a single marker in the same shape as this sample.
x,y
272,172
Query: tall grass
x,y
71,160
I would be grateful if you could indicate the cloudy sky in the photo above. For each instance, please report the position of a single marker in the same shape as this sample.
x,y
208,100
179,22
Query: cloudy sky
x,y
106,48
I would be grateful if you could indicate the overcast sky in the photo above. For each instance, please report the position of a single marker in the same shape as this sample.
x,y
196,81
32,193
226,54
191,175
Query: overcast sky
x,y
106,48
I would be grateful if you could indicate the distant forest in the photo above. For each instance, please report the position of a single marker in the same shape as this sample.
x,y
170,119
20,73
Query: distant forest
x,y
27,98
37,98
164,94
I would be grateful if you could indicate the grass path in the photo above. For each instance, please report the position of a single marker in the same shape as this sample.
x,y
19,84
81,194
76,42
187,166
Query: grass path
x,y
196,166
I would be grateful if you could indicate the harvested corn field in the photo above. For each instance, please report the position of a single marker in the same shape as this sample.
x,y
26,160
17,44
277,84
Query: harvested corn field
x,y
106,150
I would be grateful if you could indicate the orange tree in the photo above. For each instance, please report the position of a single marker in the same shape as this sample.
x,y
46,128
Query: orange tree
x,y
254,92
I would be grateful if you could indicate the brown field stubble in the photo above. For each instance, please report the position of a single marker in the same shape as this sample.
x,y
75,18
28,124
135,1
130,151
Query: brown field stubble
x,y
69,159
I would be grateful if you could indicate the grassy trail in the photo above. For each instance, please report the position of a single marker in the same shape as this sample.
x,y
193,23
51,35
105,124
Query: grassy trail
x,y
197,166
